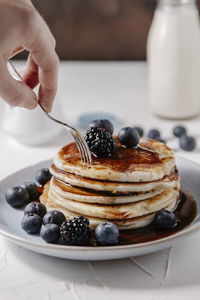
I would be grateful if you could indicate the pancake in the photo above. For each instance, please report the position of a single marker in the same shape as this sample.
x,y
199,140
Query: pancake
x,y
132,223
150,161
117,211
66,191
168,181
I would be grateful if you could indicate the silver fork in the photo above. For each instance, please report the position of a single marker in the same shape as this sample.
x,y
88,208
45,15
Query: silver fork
x,y
79,140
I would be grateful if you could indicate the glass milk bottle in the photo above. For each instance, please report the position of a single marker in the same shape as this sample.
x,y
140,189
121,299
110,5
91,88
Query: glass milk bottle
x,y
173,56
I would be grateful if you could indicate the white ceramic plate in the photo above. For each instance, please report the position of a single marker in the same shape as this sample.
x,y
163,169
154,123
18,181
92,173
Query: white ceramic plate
x,y
10,221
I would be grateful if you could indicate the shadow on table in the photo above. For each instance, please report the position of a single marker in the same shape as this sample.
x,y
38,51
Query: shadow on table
x,y
144,272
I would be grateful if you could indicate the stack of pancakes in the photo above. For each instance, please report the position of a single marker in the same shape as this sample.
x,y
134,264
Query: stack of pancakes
x,y
127,188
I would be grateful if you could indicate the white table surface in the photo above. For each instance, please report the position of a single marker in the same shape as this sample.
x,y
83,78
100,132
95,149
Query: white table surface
x,y
121,89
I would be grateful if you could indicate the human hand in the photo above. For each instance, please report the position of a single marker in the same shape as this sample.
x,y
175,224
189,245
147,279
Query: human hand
x,y
22,28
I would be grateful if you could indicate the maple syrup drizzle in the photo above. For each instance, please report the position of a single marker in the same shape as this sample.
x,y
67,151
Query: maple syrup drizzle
x,y
122,159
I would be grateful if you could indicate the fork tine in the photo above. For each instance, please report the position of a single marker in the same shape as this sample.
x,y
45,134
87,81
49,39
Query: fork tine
x,y
86,154
85,159
89,159
86,149
82,147
83,152
78,146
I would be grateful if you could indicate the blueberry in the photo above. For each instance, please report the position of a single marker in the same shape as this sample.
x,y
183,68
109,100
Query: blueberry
x,y
31,223
187,143
102,124
165,219
178,131
106,234
139,130
32,189
35,208
55,217
50,233
153,134
16,196
129,137
43,176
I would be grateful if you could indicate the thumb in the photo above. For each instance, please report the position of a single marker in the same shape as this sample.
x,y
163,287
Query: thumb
x,y
15,93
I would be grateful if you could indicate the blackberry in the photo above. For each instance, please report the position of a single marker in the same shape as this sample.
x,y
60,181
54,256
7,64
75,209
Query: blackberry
x,y
100,142
75,231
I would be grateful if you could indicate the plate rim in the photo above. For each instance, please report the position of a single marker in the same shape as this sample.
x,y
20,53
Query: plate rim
x,y
192,228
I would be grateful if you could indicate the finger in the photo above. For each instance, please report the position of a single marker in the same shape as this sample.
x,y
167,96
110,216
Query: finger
x,y
15,93
30,74
42,50
47,61
50,35
44,25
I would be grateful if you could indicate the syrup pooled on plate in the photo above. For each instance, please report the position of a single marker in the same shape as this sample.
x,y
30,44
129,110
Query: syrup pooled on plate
x,y
185,214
